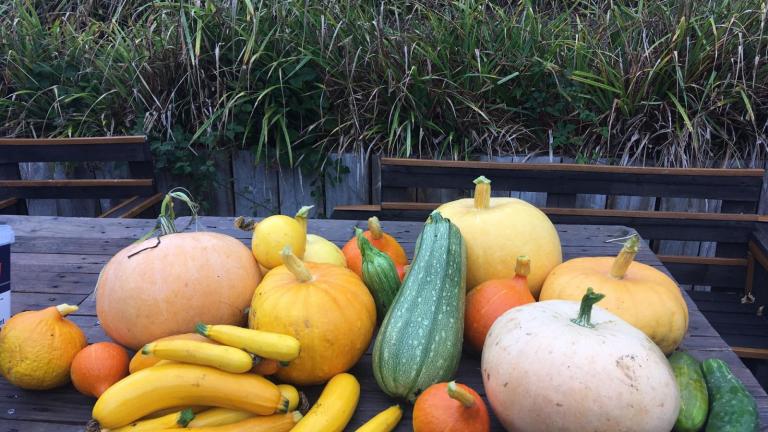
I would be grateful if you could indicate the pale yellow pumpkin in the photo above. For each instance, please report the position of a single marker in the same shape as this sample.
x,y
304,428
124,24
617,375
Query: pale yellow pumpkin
x,y
326,307
498,230
319,249
640,294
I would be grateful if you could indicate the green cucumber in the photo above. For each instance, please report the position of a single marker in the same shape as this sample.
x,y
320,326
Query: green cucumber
x,y
379,274
419,342
732,408
694,400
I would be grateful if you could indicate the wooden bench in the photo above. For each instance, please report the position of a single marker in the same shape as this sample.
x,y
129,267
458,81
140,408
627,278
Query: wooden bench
x,y
741,256
139,192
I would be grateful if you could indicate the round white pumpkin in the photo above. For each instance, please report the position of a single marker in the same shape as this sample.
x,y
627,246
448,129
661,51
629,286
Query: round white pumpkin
x,y
544,372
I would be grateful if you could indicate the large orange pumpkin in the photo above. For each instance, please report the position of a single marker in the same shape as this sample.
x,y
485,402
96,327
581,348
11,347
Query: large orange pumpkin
x,y
163,286
380,240
326,307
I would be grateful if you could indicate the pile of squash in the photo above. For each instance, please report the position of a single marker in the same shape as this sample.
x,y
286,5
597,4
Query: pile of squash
x,y
568,346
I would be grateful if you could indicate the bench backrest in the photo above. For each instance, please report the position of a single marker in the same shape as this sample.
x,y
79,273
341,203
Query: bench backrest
x,y
738,192
131,149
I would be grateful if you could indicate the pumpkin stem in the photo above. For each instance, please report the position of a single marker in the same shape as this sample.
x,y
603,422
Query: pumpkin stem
x,y
185,416
482,193
244,224
66,309
374,226
523,266
295,265
302,215
625,257
458,393
585,310
166,220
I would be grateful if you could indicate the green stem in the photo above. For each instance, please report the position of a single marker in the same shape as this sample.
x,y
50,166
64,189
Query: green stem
x,y
185,416
482,193
585,310
362,243
458,393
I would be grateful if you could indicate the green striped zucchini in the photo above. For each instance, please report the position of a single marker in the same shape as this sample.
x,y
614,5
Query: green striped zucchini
x,y
419,343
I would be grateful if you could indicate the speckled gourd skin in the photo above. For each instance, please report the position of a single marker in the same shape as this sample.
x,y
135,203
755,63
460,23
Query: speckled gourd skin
x,y
420,340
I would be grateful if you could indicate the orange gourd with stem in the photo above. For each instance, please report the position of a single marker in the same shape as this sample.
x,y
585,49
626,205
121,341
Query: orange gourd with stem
x,y
450,407
491,299
380,240
326,307
98,366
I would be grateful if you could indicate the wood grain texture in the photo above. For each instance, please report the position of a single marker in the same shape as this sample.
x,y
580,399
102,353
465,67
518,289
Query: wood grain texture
x,y
255,186
50,250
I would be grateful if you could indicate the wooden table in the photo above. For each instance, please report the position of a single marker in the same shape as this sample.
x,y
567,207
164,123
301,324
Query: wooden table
x,y
57,260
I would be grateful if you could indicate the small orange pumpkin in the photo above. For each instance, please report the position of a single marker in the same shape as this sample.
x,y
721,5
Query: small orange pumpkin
x,y
491,299
450,407
37,347
381,241
98,366
326,307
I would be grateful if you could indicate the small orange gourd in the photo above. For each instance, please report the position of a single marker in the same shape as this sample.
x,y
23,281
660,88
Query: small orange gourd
x,y
450,407
491,299
98,366
266,367
37,347
381,241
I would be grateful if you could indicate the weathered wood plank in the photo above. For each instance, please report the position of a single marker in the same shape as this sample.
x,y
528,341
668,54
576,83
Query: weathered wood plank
x,y
255,186
219,199
38,171
24,301
299,189
572,179
347,180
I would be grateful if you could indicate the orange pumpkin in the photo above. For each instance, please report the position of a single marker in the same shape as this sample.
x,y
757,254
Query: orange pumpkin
x,y
381,241
37,347
98,366
266,367
142,361
326,307
450,407
491,299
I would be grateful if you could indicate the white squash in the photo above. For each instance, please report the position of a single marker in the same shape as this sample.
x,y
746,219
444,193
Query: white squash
x,y
548,366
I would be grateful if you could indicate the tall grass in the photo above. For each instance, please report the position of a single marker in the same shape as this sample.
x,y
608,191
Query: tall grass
x,y
677,82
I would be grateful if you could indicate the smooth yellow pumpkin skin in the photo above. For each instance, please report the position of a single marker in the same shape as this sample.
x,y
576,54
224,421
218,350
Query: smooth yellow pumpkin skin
x,y
274,233
333,317
497,235
646,298
321,250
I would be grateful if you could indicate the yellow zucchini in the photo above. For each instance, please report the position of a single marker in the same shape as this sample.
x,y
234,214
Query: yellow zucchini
x,y
273,423
289,392
159,387
384,421
334,408
172,420
218,417
263,344
222,357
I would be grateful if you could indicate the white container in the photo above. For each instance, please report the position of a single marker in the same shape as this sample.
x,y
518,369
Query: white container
x,y
6,239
